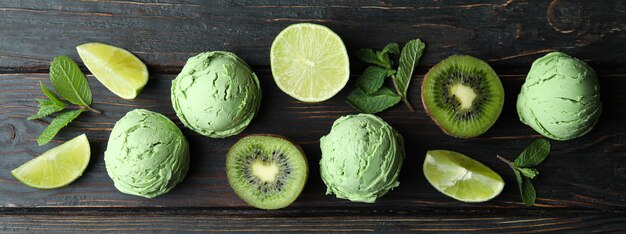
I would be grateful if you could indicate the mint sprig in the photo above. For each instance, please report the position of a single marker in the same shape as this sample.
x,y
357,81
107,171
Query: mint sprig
x,y
70,84
370,96
53,97
374,102
373,78
380,58
524,171
69,81
409,57
57,123
47,107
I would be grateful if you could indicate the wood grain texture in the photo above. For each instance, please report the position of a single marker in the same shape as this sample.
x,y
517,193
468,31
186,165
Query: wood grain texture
x,y
584,173
581,188
165,33
159,223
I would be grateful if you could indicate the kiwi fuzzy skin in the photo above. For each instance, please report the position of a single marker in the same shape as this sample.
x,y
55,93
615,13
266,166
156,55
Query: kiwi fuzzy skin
x,y
305,159
430,75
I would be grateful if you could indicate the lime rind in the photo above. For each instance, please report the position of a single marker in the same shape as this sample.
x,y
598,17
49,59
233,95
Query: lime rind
x,y
298,57
120,71
56,167
461,177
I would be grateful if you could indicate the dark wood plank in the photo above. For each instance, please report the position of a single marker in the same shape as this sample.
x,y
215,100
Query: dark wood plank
x,y
586,173
164,34
581,188
151,223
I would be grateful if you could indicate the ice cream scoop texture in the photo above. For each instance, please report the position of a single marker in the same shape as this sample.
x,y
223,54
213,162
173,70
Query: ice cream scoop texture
x,y
560,98
147,155
216,94
361,158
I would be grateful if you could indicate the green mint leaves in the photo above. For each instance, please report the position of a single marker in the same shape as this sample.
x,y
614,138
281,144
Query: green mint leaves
x,y
409,57
534,154
526,188
57,123
373,78
373,102
380,58
69,81
370,96
71,84
53,97
48,106
522,167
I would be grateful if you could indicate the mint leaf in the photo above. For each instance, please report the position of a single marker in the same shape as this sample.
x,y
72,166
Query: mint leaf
x,y
529,195
530,157
369,56
375,102
534,154
409,57
69,81
528,172
59,122
391,48
71,84
373,78
383,56
368,98
53,97
526,188
47,107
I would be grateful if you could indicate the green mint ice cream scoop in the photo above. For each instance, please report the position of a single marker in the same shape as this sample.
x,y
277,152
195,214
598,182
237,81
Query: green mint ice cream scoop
x,y
216,94
560,98
361,158
147,155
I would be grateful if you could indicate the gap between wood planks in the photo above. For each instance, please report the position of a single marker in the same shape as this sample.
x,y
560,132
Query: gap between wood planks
x,y
313,212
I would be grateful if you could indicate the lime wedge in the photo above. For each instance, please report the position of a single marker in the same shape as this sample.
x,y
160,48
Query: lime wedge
x,y
57,167
309,62
461,177
117,69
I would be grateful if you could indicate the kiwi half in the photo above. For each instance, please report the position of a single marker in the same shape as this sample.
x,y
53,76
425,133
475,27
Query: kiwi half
x,y
266,171
463,95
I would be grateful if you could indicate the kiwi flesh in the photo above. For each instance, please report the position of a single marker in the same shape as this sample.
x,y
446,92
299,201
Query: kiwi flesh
x,y
266,171
463,95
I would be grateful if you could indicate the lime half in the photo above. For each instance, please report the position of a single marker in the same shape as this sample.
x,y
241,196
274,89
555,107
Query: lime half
x,y
461,177
57,167
117,69
309,62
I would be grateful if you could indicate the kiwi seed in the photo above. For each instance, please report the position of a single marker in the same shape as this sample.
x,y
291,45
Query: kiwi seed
x,y
463,95
266,171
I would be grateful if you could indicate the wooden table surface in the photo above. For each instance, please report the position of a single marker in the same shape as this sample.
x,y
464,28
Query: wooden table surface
x,y
582,186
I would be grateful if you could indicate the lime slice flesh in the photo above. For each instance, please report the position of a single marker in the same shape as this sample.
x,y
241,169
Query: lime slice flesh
x,y
309,62
57,167
461,177
117,69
